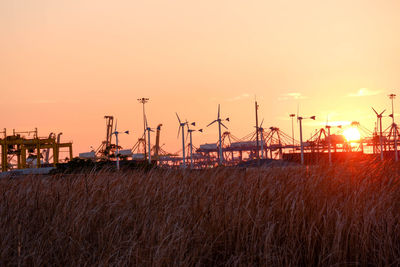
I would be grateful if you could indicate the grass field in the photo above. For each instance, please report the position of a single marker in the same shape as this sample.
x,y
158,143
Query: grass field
x,y
345,215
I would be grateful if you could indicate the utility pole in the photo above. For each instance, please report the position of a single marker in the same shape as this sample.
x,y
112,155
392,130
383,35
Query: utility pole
x,y
257,150
190,132
292,116
329,144
191,149
116,144
394,127
144,100
301,141
149,146
301,136
262,142
380,135
117,151
379,125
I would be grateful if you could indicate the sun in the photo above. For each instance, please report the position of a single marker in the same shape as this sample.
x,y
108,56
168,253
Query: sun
x,y
351,134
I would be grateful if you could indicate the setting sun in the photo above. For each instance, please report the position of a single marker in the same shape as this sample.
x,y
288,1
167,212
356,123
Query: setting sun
x,y
352,134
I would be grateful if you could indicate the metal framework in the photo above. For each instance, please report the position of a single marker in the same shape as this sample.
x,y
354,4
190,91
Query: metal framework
x,y
276,144
107,148
28,151
272,143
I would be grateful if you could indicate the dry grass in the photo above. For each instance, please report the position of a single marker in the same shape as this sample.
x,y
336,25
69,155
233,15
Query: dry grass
x,y
344,215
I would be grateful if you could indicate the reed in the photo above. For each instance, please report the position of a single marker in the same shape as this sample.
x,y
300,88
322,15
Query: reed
x,y
341,215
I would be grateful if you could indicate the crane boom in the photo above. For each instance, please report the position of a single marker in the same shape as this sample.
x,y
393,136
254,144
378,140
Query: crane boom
x,y
106,146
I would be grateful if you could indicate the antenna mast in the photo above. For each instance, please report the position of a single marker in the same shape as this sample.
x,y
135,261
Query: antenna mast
x,y
394,127
292,116
144,100
257,150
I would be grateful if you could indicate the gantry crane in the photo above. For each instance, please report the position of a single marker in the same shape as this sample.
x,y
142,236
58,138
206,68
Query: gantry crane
x,y
27,152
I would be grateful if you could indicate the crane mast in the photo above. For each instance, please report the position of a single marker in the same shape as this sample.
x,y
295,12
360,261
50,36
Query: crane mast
x,y
106,146
157,146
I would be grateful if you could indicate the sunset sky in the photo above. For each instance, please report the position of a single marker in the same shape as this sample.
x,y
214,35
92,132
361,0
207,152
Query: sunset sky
x,y
66,64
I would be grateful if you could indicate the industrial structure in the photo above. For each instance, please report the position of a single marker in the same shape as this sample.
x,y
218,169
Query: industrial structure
x,y
107,148
327,144
23,150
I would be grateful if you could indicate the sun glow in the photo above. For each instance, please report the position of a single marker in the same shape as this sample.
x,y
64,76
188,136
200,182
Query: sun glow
x,y
351,134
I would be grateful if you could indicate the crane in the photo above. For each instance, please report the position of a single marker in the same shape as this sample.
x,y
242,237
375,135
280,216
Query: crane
x,y
106,146
157,146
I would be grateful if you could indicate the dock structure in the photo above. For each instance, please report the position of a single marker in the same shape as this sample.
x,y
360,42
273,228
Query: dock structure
x,y
328,144
23,150
277,145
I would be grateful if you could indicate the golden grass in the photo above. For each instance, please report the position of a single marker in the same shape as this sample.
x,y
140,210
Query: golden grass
x,y
345,215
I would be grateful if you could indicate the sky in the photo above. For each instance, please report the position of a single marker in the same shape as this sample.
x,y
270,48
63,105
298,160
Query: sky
x,y
66,64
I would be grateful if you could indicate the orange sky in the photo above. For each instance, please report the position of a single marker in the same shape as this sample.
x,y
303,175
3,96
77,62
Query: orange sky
x,y
66,64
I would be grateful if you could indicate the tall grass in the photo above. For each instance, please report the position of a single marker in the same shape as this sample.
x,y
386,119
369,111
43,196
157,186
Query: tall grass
x,y
344,215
